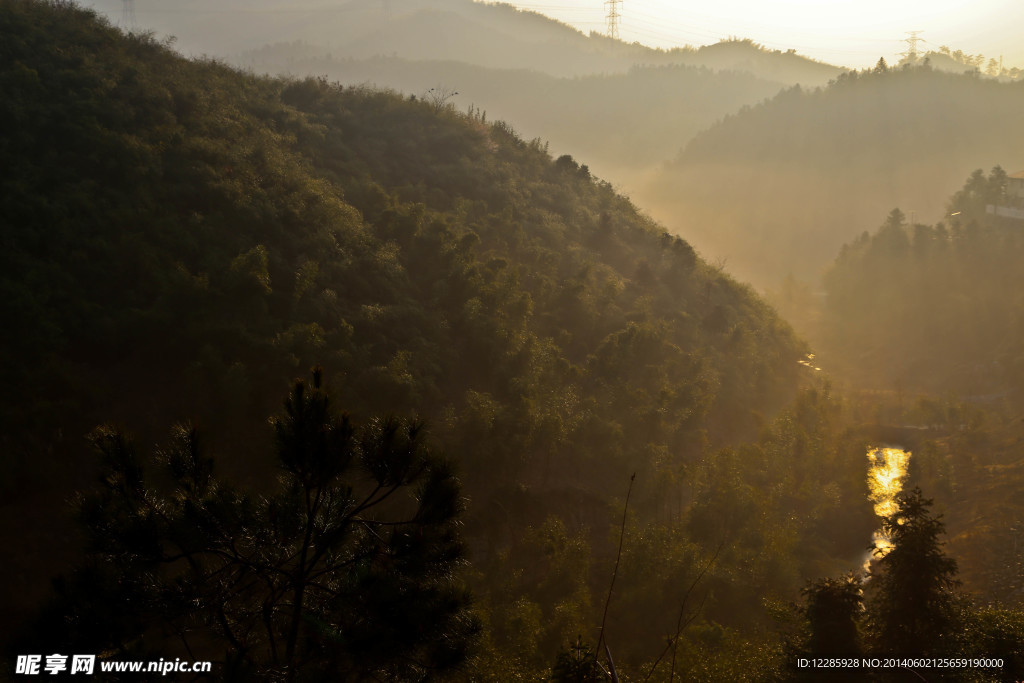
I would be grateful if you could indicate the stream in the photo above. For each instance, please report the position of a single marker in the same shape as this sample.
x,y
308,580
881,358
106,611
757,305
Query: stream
x,y
886,469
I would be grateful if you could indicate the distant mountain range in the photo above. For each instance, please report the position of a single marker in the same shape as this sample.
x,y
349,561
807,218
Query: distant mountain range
x,y
484,34
778,187
609,103
611,122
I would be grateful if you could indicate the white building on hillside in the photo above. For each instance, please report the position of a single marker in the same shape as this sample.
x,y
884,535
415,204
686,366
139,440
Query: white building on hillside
x,y
1014,202
1015,187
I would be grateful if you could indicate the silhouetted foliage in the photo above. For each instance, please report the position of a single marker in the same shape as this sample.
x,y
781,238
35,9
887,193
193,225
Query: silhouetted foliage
x,y
833,609
576,664
912,608
346,572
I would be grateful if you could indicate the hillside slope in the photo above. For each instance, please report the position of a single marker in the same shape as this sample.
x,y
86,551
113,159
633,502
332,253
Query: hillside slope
x,y
619,123
777,188
949,294
623,107
264,210
181,240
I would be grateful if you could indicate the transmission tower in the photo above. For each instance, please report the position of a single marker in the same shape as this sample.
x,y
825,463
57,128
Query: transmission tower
x,y
128,14
613,17
912,41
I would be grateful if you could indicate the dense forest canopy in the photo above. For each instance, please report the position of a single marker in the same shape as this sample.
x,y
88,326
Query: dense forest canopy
x,y
628,109
625,108
298,219
181,239
925,318
547,388
933,308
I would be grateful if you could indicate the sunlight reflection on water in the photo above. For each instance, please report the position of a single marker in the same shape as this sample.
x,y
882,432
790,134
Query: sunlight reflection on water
x,y
886,469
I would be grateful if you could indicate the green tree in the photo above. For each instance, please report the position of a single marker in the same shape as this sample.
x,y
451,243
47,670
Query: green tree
x,y
912,609
970,202
833,609
345,573
576,664
999,633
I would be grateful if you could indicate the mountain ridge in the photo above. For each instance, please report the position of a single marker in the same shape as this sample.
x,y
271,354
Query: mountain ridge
x,y
818,166
183,239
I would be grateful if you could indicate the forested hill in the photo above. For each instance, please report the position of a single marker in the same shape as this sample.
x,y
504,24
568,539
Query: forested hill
x,y
621,122
180,240
624,107
933,308
778,187
486,34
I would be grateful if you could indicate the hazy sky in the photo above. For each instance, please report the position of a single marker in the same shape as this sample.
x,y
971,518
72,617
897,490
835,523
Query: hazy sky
x,y
852,33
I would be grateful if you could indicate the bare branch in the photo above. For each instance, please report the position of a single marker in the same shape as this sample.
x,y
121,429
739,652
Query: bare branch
x,y
681,624
615,571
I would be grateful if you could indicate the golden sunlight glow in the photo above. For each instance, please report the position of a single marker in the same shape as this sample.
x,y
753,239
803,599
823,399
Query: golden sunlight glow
x,y
888,466
886,469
